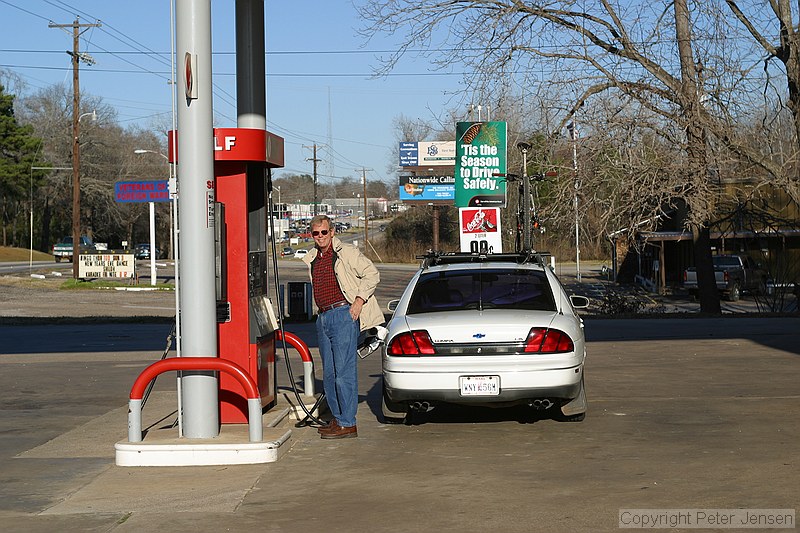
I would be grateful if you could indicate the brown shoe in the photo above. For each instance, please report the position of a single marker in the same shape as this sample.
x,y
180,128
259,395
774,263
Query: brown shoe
x,y
327,427
340,432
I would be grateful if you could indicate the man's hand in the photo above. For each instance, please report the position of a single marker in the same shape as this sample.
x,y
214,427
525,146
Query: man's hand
x,y
355,308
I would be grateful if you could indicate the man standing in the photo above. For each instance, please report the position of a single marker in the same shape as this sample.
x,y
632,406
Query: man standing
x,y
343,281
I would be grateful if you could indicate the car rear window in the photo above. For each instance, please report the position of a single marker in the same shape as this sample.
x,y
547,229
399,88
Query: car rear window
x,y
453,290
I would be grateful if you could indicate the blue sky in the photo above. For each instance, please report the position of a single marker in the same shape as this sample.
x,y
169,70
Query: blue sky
x,y
319,88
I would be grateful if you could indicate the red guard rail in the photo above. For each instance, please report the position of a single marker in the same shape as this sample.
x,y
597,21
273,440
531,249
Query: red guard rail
x,y
305,354
194,363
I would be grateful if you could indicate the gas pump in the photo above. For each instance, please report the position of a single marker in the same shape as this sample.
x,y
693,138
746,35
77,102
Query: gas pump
x,y
246,329
245,321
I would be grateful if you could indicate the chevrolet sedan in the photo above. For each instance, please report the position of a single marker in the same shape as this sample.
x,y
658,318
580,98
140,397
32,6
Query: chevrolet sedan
x,y
496,330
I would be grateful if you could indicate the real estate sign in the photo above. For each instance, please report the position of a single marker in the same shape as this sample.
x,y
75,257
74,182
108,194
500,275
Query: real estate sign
x,y
427,153
480,164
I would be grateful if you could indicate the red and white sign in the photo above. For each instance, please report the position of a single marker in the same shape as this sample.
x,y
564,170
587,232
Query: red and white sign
x,y
480,230
241,144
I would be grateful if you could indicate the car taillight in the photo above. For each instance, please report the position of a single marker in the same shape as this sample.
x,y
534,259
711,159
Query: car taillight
x,y
543,340
412,343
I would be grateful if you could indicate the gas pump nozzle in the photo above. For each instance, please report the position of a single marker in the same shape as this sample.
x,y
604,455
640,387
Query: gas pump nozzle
x,y
372,341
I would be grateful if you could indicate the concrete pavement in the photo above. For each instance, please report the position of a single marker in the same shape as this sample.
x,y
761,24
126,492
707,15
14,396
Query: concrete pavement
x,y
683,413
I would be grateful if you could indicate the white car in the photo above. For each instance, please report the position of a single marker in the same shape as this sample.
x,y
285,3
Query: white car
x,y
494,329
299,254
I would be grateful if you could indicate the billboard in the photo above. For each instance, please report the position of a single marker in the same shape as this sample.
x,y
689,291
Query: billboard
x,y
427,188
427,153
480,230
142,191
480,165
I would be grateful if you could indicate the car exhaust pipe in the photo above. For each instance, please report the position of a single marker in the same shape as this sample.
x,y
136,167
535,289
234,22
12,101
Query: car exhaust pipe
x,y
541,404
420,406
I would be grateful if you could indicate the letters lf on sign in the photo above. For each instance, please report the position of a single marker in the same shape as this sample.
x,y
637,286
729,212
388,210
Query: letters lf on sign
x,y
228,142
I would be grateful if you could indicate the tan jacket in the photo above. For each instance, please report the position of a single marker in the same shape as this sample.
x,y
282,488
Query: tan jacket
x,y
357,276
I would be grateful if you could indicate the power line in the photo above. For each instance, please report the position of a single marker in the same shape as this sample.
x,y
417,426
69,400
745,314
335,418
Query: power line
x,y
72,11
25,10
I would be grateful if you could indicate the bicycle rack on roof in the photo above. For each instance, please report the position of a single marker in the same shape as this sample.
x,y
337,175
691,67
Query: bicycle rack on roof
x,y
433,258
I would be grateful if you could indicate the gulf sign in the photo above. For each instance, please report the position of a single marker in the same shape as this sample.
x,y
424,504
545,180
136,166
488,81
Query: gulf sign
x,y
141,191
239,144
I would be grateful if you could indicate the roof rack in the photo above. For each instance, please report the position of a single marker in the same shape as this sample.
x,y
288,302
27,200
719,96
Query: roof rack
x,y
433,258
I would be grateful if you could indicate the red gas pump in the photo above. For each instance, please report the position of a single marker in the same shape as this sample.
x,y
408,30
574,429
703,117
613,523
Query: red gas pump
x,y
246,334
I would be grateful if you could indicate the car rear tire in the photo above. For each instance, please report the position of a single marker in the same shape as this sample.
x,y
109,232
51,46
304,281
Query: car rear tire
x,y
58,259
735,293
393,412
567,411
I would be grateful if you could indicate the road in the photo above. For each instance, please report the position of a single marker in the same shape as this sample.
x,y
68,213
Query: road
x,y
605,296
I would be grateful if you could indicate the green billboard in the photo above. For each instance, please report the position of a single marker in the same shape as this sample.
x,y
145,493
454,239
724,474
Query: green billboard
x,y
480,164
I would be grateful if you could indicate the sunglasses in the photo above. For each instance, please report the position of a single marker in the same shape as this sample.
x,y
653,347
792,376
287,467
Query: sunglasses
x,y
317,233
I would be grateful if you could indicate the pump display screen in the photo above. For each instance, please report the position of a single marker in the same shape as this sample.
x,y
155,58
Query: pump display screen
x,y
257,274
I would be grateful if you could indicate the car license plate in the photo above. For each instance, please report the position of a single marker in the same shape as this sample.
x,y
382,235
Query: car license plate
x,y
479,385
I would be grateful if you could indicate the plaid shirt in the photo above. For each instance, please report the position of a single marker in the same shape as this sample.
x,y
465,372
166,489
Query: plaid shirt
x,y
326,287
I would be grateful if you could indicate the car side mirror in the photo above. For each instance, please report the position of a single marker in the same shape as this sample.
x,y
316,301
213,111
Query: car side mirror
x,y
392,305
579,302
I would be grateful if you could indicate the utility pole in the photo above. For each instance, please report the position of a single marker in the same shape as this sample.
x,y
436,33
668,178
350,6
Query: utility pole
x,y
366,216
77,57
315,161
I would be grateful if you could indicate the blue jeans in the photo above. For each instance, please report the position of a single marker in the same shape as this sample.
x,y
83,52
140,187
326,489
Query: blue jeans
x,y
337,335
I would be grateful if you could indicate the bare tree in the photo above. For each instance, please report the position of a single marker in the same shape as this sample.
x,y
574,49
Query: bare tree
x,y
628,49
106,157
775,33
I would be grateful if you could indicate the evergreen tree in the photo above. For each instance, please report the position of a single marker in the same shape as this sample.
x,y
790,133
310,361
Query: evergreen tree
x,y
18,153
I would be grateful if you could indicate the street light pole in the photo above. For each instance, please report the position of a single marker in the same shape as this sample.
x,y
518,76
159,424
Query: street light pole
x,y
153,275
366,216
573,129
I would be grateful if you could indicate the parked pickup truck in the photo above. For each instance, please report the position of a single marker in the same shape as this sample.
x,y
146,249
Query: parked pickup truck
x,y
63,249
734,274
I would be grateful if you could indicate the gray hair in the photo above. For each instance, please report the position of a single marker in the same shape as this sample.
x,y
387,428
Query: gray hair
x,y
319,219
